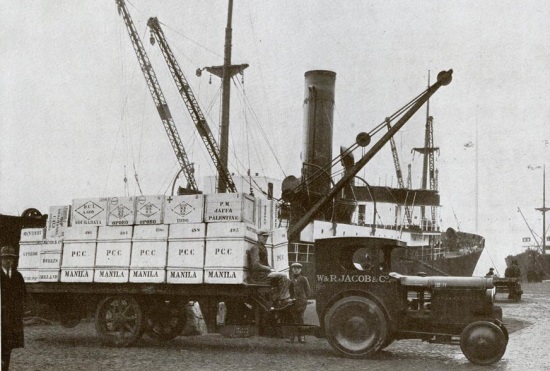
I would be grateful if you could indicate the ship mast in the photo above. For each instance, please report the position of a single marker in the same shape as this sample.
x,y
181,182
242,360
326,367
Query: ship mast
x,y
543,210
225,72
428,169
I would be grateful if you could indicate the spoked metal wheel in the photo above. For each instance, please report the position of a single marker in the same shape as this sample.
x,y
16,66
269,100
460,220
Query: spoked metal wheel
x,y
119,321
483,342
356,327
165,320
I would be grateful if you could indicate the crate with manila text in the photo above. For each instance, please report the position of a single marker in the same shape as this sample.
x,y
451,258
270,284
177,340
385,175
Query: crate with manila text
x,y
114,247
186,243
79,248
227,249
149,249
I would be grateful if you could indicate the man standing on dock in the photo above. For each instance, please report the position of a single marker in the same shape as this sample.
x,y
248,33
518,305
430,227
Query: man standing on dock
x,y
513,270
13,301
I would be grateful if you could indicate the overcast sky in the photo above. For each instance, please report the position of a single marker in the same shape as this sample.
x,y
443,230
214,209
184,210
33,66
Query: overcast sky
x,y
76,115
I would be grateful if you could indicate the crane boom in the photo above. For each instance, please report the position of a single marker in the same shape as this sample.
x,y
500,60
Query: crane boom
x,y
398,171
158,97
443,78
192,105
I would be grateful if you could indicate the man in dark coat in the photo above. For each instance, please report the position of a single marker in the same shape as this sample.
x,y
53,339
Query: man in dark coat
x,y
299,288
513,270
13,299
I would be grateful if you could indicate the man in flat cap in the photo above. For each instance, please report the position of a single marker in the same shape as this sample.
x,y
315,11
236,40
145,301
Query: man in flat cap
x,y
261,271
299,289
13,300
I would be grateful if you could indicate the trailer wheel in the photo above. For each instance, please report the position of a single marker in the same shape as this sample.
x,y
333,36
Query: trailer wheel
x,y
119,321
356,327
483,342
165,321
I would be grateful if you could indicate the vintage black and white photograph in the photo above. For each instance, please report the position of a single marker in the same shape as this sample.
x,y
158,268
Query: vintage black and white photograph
x,y
274,184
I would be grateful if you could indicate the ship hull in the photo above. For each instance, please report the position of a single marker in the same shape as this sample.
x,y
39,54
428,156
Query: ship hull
x,y
463,265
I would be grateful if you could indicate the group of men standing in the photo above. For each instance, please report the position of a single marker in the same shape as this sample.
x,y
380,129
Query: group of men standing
x,y
288,292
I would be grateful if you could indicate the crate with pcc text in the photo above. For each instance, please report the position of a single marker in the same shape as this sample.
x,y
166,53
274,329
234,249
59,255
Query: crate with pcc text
x,y
183,209
229,208
79,248
114,247
149,249
149,210
122,211
58,221
89,211
186,243
226,255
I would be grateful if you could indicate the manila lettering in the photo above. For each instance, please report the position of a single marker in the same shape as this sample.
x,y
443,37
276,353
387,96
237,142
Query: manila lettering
x,y
221,274
76,274
184,274
145,274
111,274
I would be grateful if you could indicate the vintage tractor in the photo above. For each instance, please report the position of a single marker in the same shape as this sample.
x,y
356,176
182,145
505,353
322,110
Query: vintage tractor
x,y
363,307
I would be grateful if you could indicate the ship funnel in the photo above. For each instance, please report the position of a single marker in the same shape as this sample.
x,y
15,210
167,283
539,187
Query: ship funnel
x,y
318,120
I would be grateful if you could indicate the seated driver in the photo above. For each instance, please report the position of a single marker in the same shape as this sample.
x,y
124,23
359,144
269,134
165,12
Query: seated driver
x,y
260,269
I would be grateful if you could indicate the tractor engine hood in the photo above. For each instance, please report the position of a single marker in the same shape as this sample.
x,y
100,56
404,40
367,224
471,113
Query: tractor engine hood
x,y
442,282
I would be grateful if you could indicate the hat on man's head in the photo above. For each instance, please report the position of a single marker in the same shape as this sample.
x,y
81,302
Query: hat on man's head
x,y
296,265
263,233
8,251
491,269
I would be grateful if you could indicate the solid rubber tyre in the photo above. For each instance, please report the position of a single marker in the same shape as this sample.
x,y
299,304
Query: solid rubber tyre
x,y
483,343
119,321
356,327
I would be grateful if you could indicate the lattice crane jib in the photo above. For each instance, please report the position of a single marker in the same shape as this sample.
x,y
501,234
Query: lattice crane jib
x,y
158,97
398,171
191,103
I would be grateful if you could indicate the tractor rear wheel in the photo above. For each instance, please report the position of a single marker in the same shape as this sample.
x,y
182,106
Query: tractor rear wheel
x,y
356,327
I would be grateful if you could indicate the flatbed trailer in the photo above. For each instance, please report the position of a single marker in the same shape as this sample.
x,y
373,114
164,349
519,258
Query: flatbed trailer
x,y
124,311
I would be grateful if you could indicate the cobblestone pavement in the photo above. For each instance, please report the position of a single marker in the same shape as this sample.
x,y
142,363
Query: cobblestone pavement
x,y
57,348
